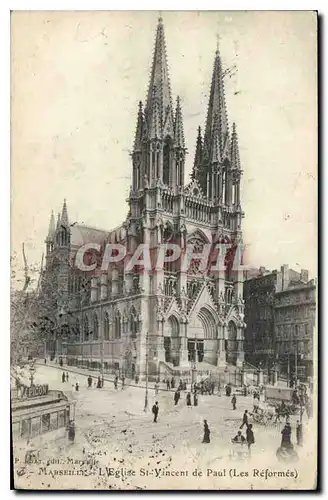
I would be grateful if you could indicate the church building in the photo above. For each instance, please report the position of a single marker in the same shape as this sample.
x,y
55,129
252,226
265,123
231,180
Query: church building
x,y
174,319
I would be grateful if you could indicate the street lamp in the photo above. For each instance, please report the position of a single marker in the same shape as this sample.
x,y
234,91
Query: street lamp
x,y
146,392
32,371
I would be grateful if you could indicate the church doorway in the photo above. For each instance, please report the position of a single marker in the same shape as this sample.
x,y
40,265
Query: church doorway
x,y
172,341
231,344
195,350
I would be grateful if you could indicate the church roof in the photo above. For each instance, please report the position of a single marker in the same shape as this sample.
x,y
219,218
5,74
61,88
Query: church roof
x,y
82,234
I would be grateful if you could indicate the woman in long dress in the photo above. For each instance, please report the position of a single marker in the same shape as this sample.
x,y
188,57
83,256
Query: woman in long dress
x,y
207,432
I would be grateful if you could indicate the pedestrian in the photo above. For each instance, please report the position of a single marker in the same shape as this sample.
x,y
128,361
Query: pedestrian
x,y
172,383
245,391
168,387
71,431
99,383
45,361
66,376
250,437
77,387
245,420
137,379
239,438
176,397
63,377
89,381
299,433
286,436
188,399
115,383
234,401
155,411
156,388
207,433
195,399
123,382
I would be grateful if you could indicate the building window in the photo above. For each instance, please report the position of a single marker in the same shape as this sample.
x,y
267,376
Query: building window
x,y
86,328
117,325
77,328
15,428
61,419
26,424
95,327
45,421
35,426
133,323
106,327
53,421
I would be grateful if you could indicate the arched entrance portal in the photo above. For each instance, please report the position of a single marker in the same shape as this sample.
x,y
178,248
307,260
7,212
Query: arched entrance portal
x,y
171,341
231,343
202,346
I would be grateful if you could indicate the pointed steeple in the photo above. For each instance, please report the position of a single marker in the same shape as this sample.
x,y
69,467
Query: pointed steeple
x,y
154,123
235,159
159,90
198,154
52,228
140,130
217,120
64,218
179,140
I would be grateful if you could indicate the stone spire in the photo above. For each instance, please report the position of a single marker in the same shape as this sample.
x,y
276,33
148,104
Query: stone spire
x,y
179,140
235,159
140,130
52,227
159,90
217,121
58,222
198,155
64,217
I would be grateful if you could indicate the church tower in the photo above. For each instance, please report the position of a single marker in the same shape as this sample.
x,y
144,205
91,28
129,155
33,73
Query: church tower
x,y
159,149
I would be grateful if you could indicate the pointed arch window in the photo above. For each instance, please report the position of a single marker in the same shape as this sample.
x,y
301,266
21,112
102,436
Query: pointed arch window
x,y
166,161
77,328
106,326
86,328
133,323
95,327
117,325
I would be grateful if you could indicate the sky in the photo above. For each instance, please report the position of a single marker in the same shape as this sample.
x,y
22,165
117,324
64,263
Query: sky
x,y
76,81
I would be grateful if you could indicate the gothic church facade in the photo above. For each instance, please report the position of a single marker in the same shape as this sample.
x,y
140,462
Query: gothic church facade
x,y
171,317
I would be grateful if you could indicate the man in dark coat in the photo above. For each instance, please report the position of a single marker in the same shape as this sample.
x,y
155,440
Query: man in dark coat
x,y
285,436
250,437
195,399
245,420
66,376
176,397
63,377
168,387
172,383
77,387
234,401
188,399
207,433
155,411
299,433
71,431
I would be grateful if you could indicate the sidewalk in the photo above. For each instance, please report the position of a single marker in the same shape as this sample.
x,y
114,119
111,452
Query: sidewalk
x,y
107,377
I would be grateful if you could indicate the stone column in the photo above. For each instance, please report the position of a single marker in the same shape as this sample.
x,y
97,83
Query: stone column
x,y
221,350
183,351
260,376
103,287
114,282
